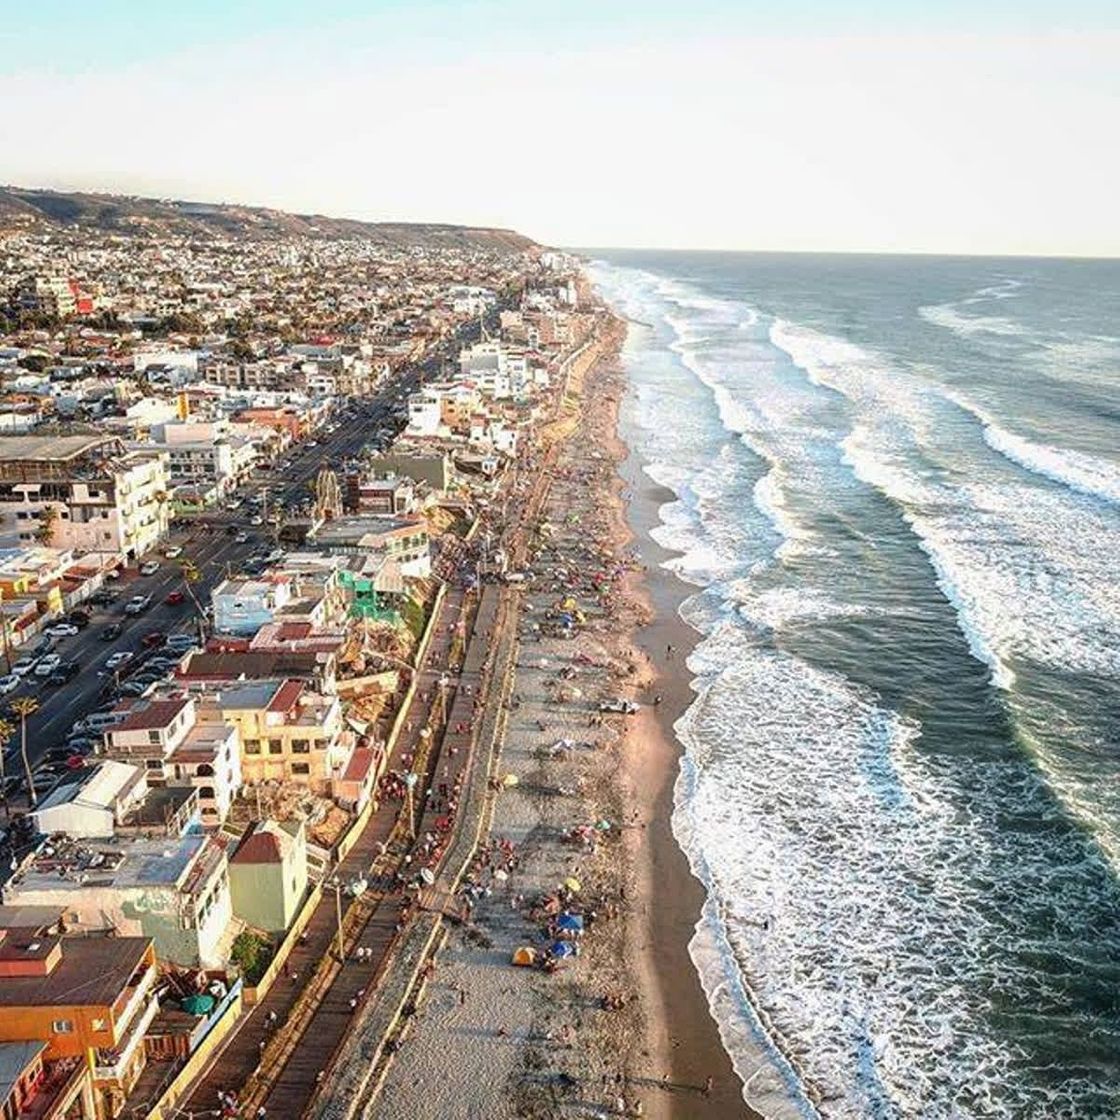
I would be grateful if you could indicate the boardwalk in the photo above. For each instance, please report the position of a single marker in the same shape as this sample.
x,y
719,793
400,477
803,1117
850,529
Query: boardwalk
x,y
239,1058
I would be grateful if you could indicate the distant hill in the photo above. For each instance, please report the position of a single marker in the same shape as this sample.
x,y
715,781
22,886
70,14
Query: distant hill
x,y
24,208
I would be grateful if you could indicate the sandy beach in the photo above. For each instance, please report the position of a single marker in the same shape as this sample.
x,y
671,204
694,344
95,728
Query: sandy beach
x,y
622,1028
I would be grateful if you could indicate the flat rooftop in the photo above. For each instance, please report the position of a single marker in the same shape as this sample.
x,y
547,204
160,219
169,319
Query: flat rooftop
x,y
57,449
93,972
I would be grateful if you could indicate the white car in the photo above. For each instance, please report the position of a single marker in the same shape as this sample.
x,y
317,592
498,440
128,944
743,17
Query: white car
x,y
61,630
172,552
150,568
241,538
9,684
47,665
23,666
119,659
256,519
138,604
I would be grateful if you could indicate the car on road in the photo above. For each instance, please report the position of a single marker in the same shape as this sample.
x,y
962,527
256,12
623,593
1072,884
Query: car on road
x,y
66,671
150,568
173,551
61,630
23,666
138,604
9,683
241,538
121,657
111,632
153,638
174,598
47,665
256,519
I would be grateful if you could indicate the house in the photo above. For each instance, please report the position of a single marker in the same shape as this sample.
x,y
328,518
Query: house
x,y
268,874
403,541
87,1003
168,737
93,802
174,890
288,732
243,606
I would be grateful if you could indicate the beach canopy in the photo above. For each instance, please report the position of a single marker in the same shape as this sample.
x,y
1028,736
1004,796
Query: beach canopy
x,y
572,923
198,1004
573,884
563,949
524,956
510,780
428,876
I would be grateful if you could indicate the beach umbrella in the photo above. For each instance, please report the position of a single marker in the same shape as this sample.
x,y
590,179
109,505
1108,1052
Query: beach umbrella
x,y
501,875
603,826
524,956
510,780
573,884
427,875
563,949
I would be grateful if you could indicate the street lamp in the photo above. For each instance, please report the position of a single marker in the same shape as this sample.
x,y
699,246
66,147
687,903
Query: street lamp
x,y
337,884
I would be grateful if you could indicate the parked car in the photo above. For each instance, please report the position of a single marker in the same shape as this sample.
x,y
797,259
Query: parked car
x,y
78,618
138,604
9,683
40,646
179,642
256,519
619,705
111,632
153,638
175,598
116,660
133,688
150,568
65,671
23,666
47,665
61,630
173,551
241,538
103,597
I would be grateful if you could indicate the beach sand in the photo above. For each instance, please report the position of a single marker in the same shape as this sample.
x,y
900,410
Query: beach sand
x,y
491,1040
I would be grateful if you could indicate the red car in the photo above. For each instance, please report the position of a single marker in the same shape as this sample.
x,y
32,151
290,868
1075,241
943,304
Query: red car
x,y
175,597
155,638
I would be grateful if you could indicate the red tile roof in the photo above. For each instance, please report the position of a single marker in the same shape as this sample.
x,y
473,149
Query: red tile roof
x,y
286,696
159,713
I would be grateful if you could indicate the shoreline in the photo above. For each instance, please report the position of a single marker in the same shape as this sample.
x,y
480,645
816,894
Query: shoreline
x,y
498,1042
683,1030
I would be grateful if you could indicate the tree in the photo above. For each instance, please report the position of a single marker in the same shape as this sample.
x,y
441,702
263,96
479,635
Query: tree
x,y
7,730
25,706
44,531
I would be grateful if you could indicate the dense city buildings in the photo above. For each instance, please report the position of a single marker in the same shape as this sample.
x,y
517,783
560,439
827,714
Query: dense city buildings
x,y
245,481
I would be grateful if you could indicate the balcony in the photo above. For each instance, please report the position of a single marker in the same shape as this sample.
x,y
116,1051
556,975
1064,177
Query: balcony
x,y
111,1064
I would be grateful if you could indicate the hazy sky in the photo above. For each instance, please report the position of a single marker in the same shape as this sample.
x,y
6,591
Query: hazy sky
x,y
945,126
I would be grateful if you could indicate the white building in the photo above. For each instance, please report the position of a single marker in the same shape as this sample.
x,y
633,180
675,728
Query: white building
x,y
84,493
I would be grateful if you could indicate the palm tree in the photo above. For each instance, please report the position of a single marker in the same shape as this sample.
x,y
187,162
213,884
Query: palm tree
x,y
25,706
44,532
7,730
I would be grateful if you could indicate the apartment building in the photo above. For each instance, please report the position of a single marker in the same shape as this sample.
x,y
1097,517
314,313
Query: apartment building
x,y
81,1007
86,493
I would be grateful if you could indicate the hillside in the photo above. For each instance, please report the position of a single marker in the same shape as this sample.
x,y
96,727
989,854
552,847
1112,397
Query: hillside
x,y
24,208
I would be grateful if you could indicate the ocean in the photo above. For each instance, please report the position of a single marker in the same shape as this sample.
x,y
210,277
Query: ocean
x,y
897,499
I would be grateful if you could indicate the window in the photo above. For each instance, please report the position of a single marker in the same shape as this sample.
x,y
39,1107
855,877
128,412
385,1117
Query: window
x,y
153,736
99,1024
301,768
62,1026
275,746
252,746
154,763
300,746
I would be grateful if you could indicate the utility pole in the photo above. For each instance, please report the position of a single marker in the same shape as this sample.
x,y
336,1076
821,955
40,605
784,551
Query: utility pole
x,y
4,629
338,917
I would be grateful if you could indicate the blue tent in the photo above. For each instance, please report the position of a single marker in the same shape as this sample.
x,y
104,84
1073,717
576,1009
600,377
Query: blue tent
x,y
569,922
563,949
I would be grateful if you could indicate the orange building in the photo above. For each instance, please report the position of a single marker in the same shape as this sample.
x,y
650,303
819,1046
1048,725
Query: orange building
x,y
90,1000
